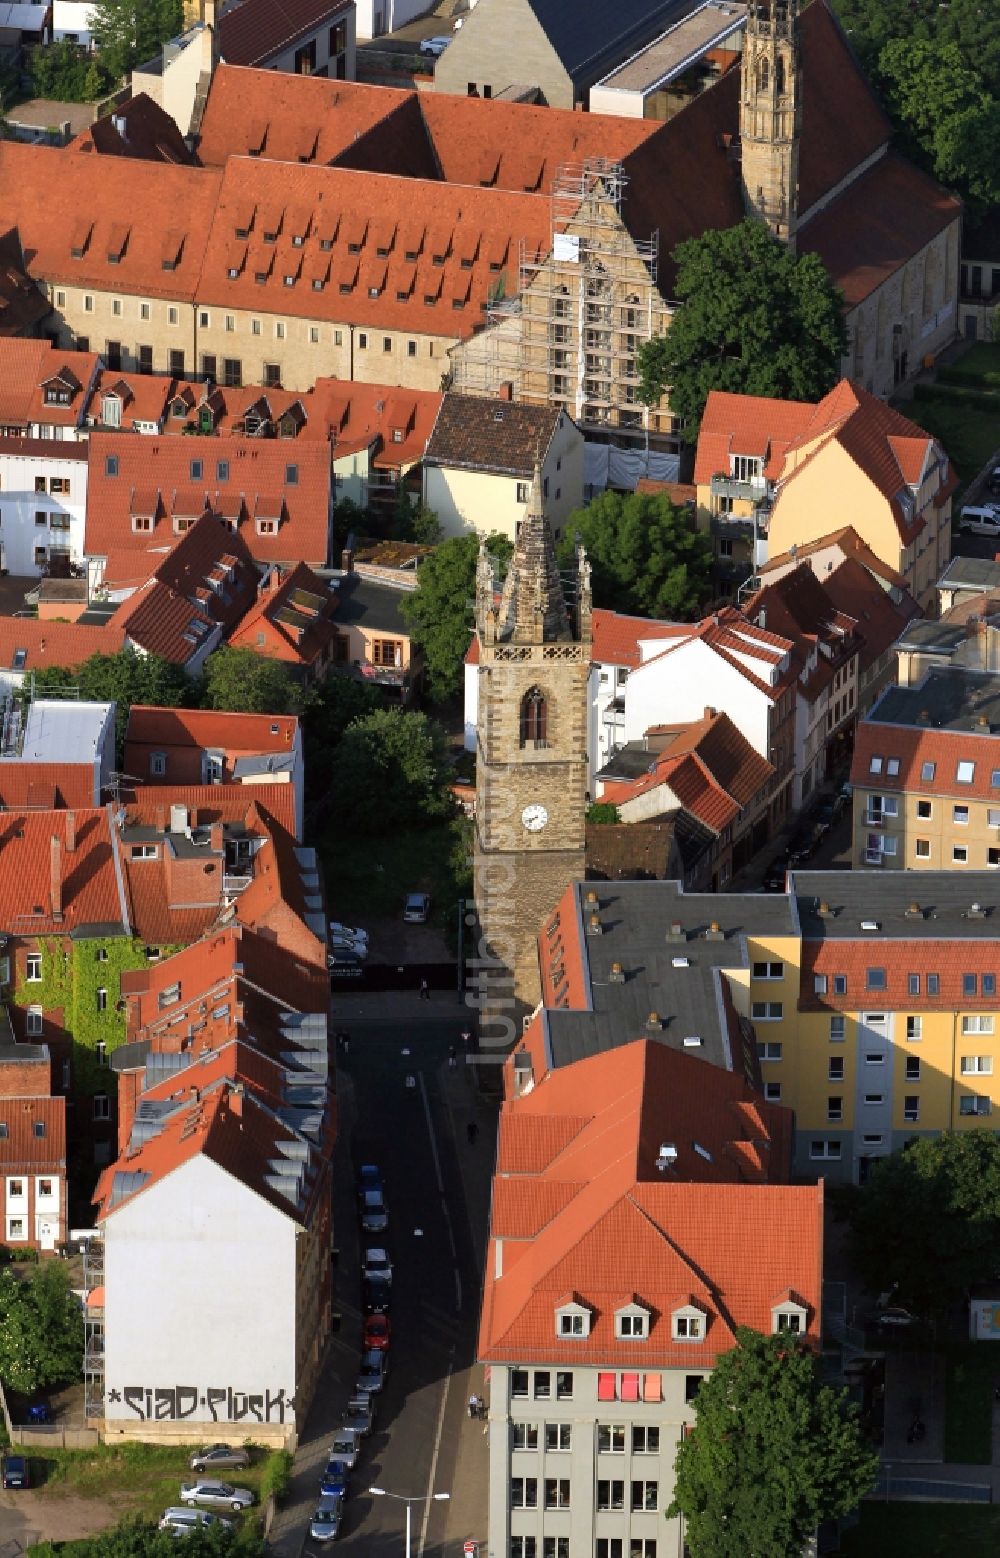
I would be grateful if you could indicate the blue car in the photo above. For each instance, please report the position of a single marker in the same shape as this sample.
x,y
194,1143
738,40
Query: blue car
x,y
333,1483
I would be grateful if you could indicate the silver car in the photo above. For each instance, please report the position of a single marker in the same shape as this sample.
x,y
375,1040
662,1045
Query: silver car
x,y
213,1457
345,1447
371,1376
360,1414
216,1494
181,1521
324,1522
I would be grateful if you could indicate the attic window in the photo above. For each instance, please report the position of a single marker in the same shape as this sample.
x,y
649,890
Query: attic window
x,y
233,272
410,254
318,283
572,1322
326,244
271,237
111,465
20,660
297,240
260,277
688,1325
354,248
289,281
632,1324
373,292
242,232
291,475
381,252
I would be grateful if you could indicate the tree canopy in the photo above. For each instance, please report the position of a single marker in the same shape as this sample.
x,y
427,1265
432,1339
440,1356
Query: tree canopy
x,y
244,682
646,557
945,113
440,611
67,73
973,28
927,1223
41,1330
135,1537
754,319
129,32
773,1453
390,770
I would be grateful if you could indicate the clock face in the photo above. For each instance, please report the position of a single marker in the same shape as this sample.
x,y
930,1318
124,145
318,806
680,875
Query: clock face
x,y
534,818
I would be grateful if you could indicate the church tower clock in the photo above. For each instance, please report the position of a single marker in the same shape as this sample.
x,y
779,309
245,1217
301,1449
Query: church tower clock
x,y
771,115
531,761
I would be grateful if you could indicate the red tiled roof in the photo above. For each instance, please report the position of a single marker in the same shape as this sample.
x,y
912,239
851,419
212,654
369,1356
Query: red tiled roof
x,y
293,615
617,637
89,886
708,765
753,425
25,365
253,468
252,32
184,734
254,805
914,745
850,544
136,128
580,1210
878,616
21,1147
901,956
27,645
63,785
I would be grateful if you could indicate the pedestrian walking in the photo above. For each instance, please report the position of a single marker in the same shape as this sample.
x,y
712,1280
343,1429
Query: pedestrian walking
x,y
425,993
347,1043
466,1037
473,1406
452,1058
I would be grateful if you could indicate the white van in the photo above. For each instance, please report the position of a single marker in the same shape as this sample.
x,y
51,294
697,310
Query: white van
x,y
982,520
179,1518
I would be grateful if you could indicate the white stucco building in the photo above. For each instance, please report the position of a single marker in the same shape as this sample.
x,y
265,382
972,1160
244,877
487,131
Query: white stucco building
x,y
43,503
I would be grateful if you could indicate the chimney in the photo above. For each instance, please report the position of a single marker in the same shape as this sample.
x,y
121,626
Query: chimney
x,y
506,390
217,838
710,713
56,883
160,818
70,832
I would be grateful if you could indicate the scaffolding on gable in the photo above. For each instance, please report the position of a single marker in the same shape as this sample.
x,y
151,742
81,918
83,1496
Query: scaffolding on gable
x,y
571,334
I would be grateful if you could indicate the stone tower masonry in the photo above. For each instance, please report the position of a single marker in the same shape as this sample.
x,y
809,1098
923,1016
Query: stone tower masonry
x,y
771,115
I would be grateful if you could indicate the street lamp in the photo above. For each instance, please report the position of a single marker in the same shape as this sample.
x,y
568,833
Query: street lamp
x,y
416,1498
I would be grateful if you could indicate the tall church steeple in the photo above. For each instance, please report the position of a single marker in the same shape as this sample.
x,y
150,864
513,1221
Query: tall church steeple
x,y
771,115
531,760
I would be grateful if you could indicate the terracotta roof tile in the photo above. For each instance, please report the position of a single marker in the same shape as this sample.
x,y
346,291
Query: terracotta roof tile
x,y
291,619
184,734
617,637
473,432
136,128
252,32
915,745
30,863
34,1137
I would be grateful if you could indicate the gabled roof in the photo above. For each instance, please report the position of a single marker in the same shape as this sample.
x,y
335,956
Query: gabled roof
x,y
136,128
22,303
847,541
752,425
294,612
26,366
156,477
476,433
879,617
252,32
34,1136
617,637
58,872
179,732
580,1207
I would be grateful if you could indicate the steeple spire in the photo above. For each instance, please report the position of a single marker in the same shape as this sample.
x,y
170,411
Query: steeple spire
x,y
533,608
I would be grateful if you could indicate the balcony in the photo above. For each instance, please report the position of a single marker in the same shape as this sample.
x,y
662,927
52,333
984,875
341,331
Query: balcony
x,y
754,491
232,885
383,675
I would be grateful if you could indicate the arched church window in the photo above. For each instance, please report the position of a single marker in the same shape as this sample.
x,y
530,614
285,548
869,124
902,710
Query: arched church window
x,y
534,718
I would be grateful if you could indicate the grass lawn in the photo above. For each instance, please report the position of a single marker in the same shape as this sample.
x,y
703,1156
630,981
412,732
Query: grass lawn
x,y
143,1478
898,1530
981,361
970,1370
969,436
368,878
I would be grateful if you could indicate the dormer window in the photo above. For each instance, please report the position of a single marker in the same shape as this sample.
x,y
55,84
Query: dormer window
x,y
572,1321
789,1316
688,1324
632,1323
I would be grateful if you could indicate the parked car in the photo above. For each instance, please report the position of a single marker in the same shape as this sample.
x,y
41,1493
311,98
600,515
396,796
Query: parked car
x,y
345,1447
214,1456
40,1413
417,907
895,1318
980,519
377,1265
183,1521
343,946
324,1522
340,959
334,1480
434,46
377,1295
352,933
374,1214
774,881
206,1491
376,1334
16,1473
360,1415
371,1375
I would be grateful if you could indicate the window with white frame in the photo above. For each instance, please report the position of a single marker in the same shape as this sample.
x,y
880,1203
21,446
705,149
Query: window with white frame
x,y
772,1092
46,1193
973,1065
645,1439
572,1320
17,1192
790,1318
766,1011
632,1323
965,772
688,1325
960,854
974,1103
610,1493
17,1230
33,1023
558,1436
33,968
524,1492
838,1028
645,1494
611,1438
835,1068
555,1547
978,1022
523,1547
524,1436
556,1491
824,1149
771,1051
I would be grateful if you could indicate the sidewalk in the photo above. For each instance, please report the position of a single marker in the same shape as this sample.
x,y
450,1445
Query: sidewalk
x,y
919,1377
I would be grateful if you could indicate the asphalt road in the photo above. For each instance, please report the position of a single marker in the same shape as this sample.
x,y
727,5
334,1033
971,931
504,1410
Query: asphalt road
x,y
435,1185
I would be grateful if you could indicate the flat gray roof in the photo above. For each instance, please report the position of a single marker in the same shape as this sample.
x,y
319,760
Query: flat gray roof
x,y
971,573
364,603
951,699
60,730
938,638
637,920
945,902
679,48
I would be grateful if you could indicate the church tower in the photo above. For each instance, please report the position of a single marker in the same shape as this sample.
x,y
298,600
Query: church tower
x,y
771,115
531,762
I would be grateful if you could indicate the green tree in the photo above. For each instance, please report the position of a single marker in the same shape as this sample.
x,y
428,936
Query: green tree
x,y
41,1330
645,555
391,771
972,27
928,1220
244,682
439,613
925,83
130,32
135,1537
123,678
773,1453
967,154
63,71
754,319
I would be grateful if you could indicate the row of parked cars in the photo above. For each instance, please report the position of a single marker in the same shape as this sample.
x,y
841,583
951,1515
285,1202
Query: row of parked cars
x,y
808,836
373,1368
983,518
206,1493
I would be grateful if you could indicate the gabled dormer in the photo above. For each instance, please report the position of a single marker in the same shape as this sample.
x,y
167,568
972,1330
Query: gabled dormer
x,y
573,1319
632,1322
689,1322
789,1313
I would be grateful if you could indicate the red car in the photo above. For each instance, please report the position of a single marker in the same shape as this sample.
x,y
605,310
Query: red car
x,y
377,1332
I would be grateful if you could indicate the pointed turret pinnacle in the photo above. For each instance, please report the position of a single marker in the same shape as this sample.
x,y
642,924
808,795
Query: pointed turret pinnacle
x,y
533,610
